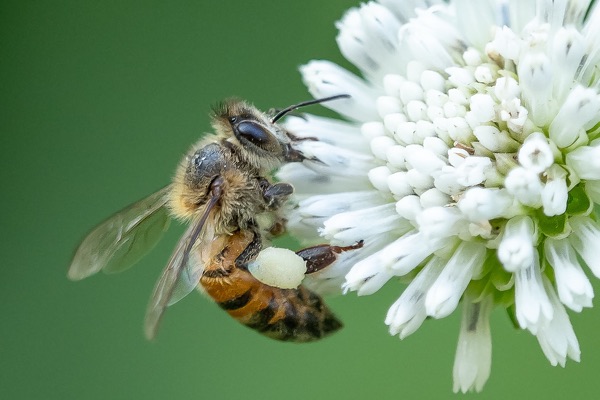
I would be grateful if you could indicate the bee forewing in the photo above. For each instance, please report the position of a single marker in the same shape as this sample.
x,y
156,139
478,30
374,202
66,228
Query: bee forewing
x,y
121,240
178,279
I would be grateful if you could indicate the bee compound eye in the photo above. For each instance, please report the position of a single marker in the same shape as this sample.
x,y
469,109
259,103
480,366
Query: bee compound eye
x,y
253,132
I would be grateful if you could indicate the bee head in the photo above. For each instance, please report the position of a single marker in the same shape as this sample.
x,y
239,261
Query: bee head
x,y
262,143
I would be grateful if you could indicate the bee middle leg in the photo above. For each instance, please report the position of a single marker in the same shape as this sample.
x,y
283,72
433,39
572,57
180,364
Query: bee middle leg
x,y
323,255
250,252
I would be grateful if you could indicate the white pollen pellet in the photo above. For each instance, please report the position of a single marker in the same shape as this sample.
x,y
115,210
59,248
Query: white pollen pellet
x,y
278,267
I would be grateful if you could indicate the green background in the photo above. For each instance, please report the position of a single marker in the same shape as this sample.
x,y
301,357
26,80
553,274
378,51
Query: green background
x,y
98,101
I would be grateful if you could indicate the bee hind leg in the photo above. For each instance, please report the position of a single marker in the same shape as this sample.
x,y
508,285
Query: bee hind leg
x,y
323,255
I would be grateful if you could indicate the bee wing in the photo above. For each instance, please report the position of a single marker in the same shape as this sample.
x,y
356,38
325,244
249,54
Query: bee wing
x,y
180,276
173,283
187,282
121,240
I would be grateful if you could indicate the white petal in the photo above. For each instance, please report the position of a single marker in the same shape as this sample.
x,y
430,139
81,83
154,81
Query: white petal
x,y
416,110
568,50
368,38
324,78
443,296
592,188
406,253
380,146
457,127
531,300
472,171
328,205
436,145
525,185
382,27
418,180
507,88
425,46
448,181
395,155
432,80
580,109
482,106
574,288
440,222
434,198
407,314
425,161
484,204
399,185
460,76
473,361
495,140
331,131
555,193
585,161
472,57
557,338
516,250
591,31
352,226
372,129
535,71
366,277
585,239
460,95
379,176
405,10
393,84
307,181
405,132
388,105
332,160
409,207
536,154
520,13
486,74
506,43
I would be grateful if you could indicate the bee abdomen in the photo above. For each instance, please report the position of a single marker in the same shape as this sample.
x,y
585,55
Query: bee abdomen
x,y
306,317
293,315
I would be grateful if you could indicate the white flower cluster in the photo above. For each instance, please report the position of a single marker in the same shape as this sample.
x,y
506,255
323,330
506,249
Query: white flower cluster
x,y
470,167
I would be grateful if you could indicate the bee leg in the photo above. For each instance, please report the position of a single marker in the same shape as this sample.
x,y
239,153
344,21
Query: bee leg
x,y
297,139
250,252
277,194
323,255
278,227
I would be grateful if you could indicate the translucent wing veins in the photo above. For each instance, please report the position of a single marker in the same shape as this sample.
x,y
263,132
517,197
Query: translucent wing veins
x,y
122,239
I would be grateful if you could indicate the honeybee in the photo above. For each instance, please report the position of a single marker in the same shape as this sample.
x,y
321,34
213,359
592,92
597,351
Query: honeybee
x,y
221,188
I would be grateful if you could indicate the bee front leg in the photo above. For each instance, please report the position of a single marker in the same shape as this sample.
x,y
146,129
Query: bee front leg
x,y
277,194
323,255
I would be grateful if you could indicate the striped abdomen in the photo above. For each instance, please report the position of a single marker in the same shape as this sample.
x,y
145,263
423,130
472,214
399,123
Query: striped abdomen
x,y
295,315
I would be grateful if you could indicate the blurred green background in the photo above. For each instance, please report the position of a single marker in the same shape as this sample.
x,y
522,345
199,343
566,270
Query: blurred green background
x,y
98,101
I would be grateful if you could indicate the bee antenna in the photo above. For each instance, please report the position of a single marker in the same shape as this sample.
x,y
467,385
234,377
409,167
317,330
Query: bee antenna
x,y
286,110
